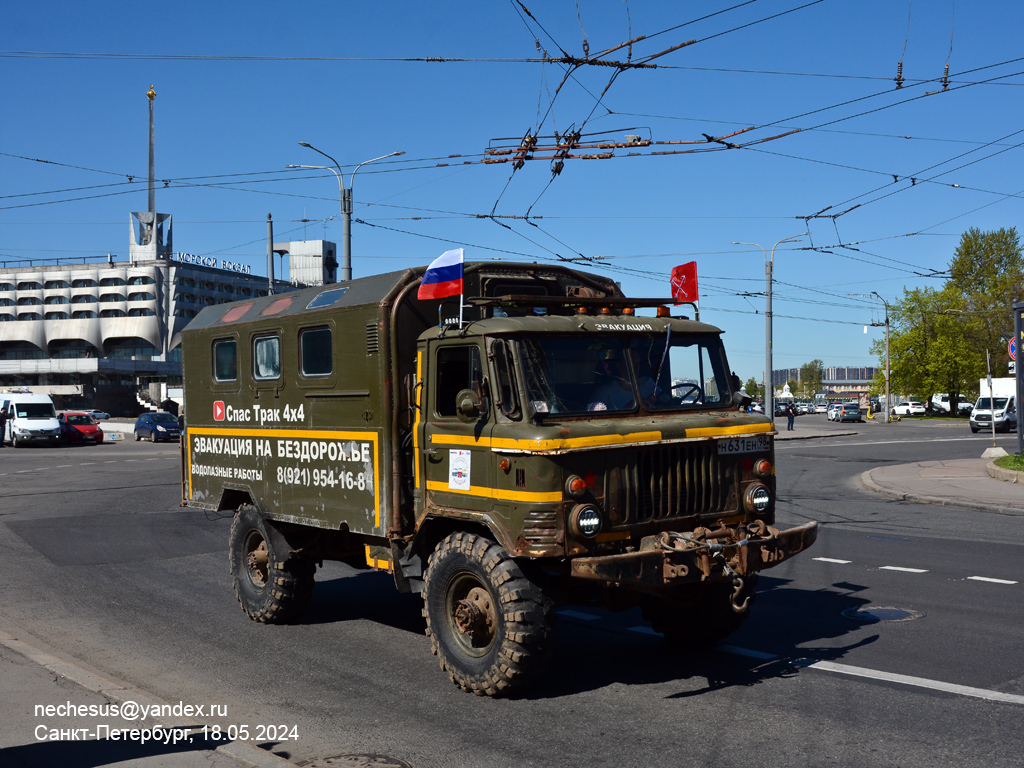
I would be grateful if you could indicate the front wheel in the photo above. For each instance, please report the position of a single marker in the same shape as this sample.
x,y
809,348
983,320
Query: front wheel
x,y
490,626
705,616
272,586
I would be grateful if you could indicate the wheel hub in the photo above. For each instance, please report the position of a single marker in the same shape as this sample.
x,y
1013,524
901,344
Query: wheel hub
x,y
474,614
256,561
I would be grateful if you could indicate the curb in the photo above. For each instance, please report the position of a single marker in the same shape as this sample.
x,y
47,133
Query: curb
x,y
779,436
119,691
871,485
1008,475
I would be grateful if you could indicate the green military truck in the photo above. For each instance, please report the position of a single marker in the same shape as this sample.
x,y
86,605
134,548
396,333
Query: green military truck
x,y
549,447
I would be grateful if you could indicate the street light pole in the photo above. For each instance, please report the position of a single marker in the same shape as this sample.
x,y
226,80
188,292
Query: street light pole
x,y
877,295
887,370
769,266
346,201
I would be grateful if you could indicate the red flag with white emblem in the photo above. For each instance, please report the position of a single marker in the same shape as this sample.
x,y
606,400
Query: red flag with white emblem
x,y
684,282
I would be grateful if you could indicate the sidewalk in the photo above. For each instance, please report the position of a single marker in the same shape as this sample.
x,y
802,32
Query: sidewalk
x,y
32,738
968,483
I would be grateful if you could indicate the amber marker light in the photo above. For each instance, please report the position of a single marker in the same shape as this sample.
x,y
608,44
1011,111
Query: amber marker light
x,y
628,311
664,312
575,485
763,467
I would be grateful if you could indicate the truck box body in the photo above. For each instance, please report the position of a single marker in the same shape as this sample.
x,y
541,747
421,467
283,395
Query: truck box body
x,y
594,451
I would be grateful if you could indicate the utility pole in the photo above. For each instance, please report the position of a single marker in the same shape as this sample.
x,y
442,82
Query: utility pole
x,y
888,371
769,264
270,255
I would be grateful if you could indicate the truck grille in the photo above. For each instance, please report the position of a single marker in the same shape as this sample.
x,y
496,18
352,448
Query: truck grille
x,y
678,479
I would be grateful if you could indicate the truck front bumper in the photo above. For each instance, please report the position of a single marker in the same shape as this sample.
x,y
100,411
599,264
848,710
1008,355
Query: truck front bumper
x,y
668,559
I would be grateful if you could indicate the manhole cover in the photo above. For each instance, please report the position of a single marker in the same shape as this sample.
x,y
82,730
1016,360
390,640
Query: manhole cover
x,y
874,614
356,761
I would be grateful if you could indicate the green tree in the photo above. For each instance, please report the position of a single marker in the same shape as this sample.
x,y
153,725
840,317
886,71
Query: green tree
x,y
986,277
753,388
938,336
812,374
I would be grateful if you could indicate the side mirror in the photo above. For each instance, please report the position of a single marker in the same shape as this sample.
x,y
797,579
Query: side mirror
x,y
468,404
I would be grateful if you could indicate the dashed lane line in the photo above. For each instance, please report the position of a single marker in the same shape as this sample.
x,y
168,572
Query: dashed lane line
x,y
902,569
986,579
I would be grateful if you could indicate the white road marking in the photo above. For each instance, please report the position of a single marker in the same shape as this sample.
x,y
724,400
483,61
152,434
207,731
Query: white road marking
x,y
578,615
989,580
919,682
644,631
903,570
833,560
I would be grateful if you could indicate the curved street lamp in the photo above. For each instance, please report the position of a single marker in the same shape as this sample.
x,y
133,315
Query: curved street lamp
x,y
769,265
877,295
346,201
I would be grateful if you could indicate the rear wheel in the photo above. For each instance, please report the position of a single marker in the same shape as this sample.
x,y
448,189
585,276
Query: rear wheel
x,y
704,617
272,586
137,436
490,626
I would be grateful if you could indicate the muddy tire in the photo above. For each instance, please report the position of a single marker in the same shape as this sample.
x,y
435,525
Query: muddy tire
x,y
703,619
271,586
491,627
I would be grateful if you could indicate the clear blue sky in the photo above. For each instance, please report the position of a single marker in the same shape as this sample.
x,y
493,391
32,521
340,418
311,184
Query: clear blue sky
x,y
240,84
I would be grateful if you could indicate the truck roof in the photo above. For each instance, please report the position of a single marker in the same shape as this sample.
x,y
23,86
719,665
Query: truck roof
x,y
548,281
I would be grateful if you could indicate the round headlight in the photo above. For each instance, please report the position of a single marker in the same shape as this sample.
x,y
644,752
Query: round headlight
x,y
586,520
757,498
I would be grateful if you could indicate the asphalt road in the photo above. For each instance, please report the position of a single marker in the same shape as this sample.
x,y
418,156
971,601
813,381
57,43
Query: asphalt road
x,y
102,565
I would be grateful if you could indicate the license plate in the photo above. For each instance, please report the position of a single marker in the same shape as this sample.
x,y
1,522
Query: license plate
x,y
744,444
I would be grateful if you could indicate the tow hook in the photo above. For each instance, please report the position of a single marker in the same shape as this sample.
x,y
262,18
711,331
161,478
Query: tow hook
x,y
737,580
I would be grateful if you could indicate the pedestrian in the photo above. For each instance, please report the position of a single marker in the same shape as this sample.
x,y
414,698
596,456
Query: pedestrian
x,y
790,415
3,425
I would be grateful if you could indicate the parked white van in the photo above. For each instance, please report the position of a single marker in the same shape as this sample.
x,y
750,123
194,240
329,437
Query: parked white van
x,y
31,418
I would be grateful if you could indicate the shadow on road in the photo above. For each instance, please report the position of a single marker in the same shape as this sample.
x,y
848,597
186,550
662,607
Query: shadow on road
x,y
786,622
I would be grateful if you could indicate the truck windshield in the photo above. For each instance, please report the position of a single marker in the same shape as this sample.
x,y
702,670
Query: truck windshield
x,y
577,375
985,403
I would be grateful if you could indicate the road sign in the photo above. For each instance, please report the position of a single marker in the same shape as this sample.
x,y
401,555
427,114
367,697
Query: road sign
x,y
1012,348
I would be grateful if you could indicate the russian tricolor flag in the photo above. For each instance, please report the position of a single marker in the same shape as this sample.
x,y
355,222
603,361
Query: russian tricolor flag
x,y
443,277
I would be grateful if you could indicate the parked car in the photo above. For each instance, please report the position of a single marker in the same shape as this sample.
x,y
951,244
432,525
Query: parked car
x,y
157,426
909,408
833,411
820,408
849,412
97,414
757,408
78,427
804,408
